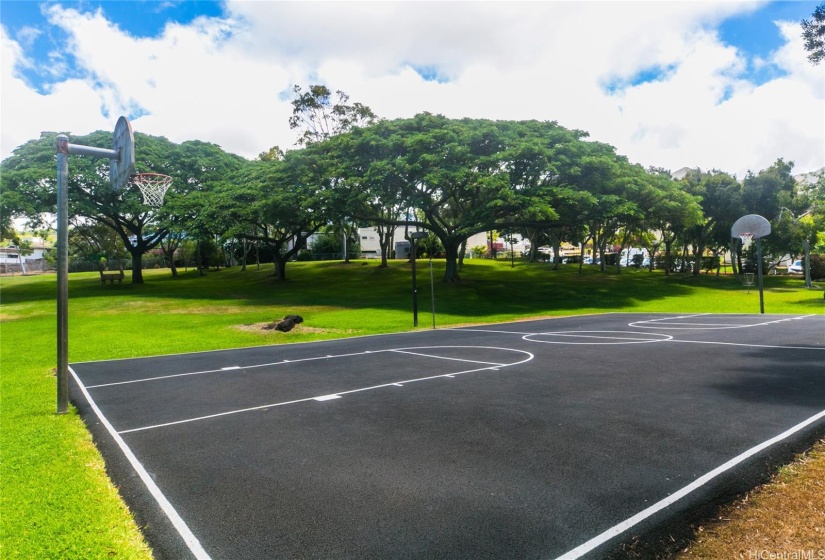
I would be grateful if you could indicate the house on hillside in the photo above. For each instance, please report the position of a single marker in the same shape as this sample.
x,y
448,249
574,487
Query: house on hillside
x,y
14,260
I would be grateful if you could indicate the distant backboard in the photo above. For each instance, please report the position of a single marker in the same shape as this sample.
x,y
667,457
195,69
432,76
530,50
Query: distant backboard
x,y
752,224
123,142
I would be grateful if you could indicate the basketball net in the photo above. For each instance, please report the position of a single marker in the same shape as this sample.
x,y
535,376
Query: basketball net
x,y
746,238
153,186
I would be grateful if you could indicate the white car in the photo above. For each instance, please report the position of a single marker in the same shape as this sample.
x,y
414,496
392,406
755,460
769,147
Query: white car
x,y
796,268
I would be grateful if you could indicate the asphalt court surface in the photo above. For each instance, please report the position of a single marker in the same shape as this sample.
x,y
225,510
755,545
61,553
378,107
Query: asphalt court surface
x,y
558,438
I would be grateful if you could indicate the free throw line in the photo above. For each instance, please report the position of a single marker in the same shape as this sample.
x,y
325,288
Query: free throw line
x,y
332,396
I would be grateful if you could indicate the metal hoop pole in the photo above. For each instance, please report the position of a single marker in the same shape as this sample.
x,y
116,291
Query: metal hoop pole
x,y
62,274
432,290
415,285
759,270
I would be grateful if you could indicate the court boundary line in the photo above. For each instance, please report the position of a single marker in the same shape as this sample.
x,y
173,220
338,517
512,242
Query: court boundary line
x,y
168,509
634,520
664,325
779,347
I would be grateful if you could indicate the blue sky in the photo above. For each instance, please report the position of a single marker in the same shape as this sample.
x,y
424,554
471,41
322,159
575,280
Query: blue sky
x,y
662,81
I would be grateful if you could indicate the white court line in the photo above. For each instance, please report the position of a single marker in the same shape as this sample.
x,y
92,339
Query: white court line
x,y
173,375
620,528
679,317
707,326
487,330
445,358
586,334
750,345
280,362
180,525
333,395
589,336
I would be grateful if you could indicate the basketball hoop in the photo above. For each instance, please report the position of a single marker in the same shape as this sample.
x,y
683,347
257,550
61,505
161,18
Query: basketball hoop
x,y
153,186
748,228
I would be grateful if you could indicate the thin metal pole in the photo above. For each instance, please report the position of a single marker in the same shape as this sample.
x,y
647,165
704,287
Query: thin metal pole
x,y
512,254
759,271
415,287
807,248
62,274
432,290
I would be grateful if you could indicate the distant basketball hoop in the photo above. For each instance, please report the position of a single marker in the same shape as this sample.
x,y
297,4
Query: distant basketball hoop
x,y
748,280
747,228
153,186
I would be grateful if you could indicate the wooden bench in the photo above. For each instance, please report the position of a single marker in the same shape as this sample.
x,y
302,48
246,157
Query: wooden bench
x,y
111,276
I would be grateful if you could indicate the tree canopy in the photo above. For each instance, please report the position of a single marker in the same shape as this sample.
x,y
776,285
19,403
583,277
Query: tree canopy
x,y
452,178
813,32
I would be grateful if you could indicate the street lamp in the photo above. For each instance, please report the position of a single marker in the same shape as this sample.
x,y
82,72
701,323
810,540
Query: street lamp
x,y
415,236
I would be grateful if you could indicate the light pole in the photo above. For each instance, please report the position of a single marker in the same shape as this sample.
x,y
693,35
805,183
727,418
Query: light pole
x,y
415,236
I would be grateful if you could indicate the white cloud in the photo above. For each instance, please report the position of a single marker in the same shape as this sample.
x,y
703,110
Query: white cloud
x,y
69,106
219,80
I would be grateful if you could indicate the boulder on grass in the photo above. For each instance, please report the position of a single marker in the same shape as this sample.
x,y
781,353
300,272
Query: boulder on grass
x,y
287,324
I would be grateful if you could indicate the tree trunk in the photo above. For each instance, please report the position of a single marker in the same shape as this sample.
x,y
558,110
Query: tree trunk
x,y
667,257
697,255
245,245
555,241
280,268
461,252
199,260
451,252
169,253
137,267
383,244
534,252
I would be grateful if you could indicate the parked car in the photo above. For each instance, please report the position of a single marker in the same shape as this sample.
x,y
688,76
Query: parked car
x,y
796,268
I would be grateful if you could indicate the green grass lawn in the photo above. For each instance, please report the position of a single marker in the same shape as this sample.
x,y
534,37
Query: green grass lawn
x,y
55,499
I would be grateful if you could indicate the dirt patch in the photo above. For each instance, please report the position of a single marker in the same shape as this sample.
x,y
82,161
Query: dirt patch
x,y
782,519
258,328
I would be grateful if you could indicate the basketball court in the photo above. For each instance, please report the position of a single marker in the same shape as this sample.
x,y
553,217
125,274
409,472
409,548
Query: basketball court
x,y
557,438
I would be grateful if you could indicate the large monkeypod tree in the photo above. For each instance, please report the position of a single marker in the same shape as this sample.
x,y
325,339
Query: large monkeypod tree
x,y
30,174
460,177
32,168
280,203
